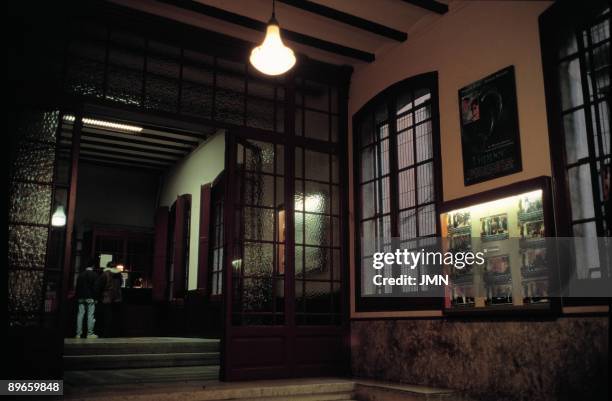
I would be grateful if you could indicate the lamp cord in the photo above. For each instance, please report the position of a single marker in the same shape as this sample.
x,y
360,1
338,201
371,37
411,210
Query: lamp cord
x,y
273,8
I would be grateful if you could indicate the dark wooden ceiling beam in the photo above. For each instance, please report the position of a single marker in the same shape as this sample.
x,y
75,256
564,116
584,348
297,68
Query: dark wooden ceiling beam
x,y
119,152
254,24
120,164
94,133
429,5
348,19
85,139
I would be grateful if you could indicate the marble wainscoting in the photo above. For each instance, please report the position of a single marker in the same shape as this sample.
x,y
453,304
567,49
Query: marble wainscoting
x,y
535,360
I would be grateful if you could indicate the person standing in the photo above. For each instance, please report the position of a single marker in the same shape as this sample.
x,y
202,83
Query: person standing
x,y
110,285
86,297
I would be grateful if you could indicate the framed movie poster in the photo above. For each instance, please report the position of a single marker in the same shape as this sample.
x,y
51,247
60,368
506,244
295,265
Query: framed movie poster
x,y
490,137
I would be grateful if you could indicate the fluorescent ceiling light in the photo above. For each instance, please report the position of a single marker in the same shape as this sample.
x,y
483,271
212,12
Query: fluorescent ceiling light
x,y
105,124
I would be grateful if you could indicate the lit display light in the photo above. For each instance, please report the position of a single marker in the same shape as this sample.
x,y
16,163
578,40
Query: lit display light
x,y
105,124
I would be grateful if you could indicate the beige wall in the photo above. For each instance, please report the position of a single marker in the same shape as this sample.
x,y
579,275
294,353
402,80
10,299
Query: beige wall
x,y
200,167
471,41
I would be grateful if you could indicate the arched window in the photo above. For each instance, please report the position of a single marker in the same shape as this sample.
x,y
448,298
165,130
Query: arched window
x,y
398,184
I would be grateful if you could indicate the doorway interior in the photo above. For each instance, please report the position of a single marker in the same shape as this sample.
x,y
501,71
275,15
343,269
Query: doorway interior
x,y
133,200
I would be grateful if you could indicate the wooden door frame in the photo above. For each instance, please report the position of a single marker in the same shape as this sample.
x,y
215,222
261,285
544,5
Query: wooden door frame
x,y
290,331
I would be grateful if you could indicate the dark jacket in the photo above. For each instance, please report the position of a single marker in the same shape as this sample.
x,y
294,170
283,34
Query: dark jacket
x,y
109,284
86,285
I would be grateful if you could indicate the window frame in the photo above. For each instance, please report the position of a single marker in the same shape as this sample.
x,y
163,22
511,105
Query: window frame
x,y
570,18
388,97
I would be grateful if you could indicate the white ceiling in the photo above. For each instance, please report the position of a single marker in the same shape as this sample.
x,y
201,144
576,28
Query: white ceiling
x,y
395,14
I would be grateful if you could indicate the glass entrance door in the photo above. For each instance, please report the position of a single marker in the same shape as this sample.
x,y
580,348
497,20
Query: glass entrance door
x,y
283,262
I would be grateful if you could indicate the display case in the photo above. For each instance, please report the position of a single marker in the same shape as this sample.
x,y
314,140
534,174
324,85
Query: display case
x,y
508,228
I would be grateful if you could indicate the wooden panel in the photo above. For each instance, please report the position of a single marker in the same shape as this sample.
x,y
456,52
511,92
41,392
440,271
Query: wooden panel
x,y
204,241
159,254
258,352
181,244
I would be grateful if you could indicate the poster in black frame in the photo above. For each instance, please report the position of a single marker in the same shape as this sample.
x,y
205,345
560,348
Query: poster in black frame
x,y
490,139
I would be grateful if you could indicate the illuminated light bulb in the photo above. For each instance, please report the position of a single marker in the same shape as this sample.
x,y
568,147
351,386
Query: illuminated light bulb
x,y
272,57
59,217
105,124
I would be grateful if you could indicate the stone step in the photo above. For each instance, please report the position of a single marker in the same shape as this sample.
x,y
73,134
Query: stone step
x,y
139,345
125,361
95,380
254,391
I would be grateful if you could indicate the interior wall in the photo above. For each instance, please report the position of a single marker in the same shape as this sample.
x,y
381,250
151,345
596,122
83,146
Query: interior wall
x,y
115,196
473,40
202,166
497,358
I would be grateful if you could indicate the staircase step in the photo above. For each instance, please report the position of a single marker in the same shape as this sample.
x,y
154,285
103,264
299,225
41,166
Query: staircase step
x,y
326,390
97,379
138,345
124,361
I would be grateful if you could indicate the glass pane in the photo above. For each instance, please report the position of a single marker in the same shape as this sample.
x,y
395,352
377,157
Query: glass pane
x,y
380,115
27,247
259,156
25,291
425,181
405,151
569,44
368,200
335,201
317,125
403,104
575,136
422,114
337,266
383,157
316,96
406,189
424,148
586,252
258,190
34,162
299,160
407,224
316,229
317,198
334,128
318,297
366,131
368,237
258,224
299,227
29,203
427,220
257,294
421,96
41,126
260,114
571,87
368,164
404,122
317,263
299,121
581,192
318,165
258,259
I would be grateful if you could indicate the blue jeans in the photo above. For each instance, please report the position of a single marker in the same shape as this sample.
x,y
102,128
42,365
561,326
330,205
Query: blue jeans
x,y
90,305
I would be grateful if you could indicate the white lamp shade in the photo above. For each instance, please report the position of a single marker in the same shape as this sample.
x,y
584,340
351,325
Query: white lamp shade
x,y
272,57
59,217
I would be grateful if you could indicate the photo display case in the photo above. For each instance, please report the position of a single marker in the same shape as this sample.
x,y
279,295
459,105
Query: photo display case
x,y
510,226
